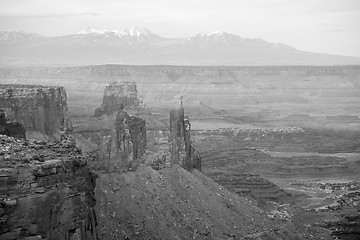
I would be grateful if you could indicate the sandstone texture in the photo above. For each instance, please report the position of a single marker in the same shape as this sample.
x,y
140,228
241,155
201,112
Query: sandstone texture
x,y
38,108
118,94
46,191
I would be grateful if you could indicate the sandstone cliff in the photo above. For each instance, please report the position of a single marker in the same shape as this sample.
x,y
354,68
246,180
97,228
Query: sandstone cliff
x,y
46,191
38,108
118,94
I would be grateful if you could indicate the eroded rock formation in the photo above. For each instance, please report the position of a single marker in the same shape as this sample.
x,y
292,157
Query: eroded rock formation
x,y
10,128
116,94
46,191
38,108
181,149
126,143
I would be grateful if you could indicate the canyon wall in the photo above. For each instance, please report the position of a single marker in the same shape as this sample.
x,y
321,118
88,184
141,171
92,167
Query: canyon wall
x,y
38,108
11,128
46,191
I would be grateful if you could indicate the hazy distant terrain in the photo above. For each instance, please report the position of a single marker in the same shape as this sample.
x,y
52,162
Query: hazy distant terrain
x,y
142,47
244,97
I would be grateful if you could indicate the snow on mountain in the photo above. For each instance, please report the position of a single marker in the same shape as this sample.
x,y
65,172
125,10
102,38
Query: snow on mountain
x,y
91,30
133,33
18,36
140,46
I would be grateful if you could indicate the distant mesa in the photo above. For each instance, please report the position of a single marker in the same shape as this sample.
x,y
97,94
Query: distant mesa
x,y
119,95
343,118
299,117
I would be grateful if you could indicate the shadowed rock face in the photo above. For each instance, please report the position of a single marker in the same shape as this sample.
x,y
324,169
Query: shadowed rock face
x,y
38,108
13,129
46,191
117,94
130,132
181,149
126,143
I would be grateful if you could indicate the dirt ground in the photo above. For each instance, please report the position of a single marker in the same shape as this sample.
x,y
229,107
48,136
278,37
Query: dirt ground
x,y
177,204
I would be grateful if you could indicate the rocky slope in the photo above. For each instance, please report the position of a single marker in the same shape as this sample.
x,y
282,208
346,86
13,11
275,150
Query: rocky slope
x,y
177,204
40,109
46,191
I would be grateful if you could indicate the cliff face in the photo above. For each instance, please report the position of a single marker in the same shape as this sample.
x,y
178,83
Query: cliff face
x,y
46,191
38,108
118,94
13,129
181,149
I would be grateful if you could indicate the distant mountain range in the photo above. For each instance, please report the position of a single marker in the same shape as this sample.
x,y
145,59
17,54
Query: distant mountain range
x,y
142,47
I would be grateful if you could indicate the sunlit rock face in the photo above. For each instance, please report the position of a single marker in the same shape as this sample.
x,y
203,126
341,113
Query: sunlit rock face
x,y
38,108
118,94
46,191
181,149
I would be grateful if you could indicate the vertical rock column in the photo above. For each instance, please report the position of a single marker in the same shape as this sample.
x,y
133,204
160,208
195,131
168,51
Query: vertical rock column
x,y
126,143
181,150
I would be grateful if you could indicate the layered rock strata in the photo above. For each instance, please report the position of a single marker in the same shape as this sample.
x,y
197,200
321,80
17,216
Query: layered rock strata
x,y
46,191
38,108
117,94
182,151
10,128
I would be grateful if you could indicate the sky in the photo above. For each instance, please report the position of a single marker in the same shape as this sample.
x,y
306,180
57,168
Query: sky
x,y
325,26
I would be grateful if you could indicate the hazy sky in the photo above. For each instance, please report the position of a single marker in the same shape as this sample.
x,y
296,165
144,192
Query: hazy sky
x,y
329,26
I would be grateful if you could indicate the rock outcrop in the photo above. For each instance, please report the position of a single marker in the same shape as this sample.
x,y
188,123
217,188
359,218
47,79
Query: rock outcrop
x,y
181,149
46,191
125,144
10,128
38,108
116,94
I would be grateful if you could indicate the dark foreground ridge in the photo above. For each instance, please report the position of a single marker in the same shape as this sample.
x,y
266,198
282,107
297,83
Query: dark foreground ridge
x,y
46,191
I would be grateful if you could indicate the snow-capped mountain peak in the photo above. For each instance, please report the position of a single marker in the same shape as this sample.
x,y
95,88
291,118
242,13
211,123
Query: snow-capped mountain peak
x,y
217,32
133,33
16,36
91,30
